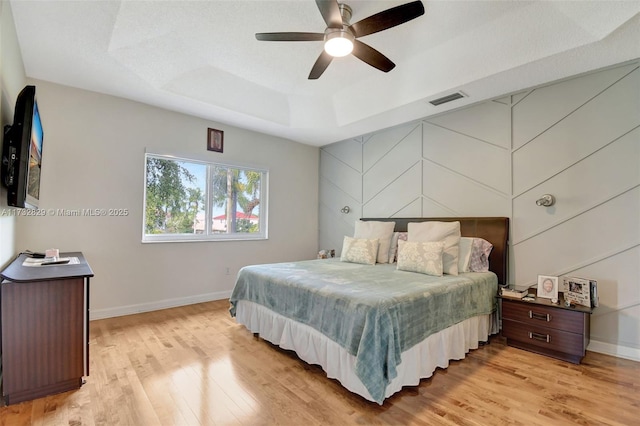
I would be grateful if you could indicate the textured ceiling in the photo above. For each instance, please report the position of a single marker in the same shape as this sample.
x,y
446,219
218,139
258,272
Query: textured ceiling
x,y
201,57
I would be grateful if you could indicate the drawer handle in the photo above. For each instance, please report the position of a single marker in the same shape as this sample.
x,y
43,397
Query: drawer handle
x,y
539,336
543,317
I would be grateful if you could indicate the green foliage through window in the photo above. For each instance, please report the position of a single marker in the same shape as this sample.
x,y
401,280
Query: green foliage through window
x,y
192,200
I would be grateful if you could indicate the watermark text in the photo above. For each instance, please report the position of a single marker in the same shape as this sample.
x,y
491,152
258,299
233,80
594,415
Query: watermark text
x,y
98,212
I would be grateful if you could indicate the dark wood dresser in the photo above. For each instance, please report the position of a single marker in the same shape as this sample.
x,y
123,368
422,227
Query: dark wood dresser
x,y
45,328
546,328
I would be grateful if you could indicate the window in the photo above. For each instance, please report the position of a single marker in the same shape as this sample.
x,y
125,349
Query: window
x,y
190,200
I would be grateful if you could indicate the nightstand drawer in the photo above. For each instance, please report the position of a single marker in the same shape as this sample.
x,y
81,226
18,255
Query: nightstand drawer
x,y
544,316
544,337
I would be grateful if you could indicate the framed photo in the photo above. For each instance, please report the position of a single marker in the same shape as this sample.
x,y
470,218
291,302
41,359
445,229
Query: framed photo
x,y
215,140
547,287
579,291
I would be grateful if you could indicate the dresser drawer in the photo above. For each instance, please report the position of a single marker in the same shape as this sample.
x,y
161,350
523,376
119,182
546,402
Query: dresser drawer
x,y
544,337
544,316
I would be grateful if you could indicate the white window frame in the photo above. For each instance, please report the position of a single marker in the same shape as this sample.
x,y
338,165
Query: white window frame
x,y
208,235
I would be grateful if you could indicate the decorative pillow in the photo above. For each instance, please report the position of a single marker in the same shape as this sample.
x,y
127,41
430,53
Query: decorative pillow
x,y
464,255
433,231
479,261
359,250
382,231
393,251
425,258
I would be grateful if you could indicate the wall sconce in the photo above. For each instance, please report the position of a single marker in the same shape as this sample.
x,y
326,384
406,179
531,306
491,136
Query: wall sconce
x,y
547,200
346,209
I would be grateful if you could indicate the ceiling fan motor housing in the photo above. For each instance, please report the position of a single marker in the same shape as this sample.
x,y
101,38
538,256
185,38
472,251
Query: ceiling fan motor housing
x,y
339,41
346,12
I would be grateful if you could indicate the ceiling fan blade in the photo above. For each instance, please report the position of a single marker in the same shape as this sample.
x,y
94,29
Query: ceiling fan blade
x,y
388,18
371,56
290,36
330,12
321,64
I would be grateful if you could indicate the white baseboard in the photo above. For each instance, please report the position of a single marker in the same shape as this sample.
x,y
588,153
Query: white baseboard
x,y
614,350
95,314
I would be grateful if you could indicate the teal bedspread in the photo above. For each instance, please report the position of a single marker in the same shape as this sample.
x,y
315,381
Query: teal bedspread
x,y
374,311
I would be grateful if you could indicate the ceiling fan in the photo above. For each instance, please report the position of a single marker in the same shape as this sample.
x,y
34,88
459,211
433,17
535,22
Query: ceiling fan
x,y
340,37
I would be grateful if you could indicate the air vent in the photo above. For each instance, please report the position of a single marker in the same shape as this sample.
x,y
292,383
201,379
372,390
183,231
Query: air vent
x,y
448,98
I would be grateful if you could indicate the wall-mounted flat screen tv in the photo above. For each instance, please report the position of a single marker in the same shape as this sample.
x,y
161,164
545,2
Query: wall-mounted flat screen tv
x,y
22,152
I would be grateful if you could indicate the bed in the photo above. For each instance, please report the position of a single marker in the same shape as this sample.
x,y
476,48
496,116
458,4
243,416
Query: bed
x,y
375,328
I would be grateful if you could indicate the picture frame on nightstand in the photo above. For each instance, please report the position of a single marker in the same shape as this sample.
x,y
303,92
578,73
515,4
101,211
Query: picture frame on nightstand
x,y
547,287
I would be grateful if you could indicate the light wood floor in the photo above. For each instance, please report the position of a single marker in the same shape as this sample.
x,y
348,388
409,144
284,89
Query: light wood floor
x,y
195,366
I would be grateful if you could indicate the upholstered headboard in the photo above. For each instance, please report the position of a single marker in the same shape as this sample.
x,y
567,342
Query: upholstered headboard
x,y
493,229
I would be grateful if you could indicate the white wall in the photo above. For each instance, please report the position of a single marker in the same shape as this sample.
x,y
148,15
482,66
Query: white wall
x,y
451,165
12,80
93,157
578,139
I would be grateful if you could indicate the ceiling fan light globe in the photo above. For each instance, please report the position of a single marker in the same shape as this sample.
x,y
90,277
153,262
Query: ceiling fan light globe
x,y
338,43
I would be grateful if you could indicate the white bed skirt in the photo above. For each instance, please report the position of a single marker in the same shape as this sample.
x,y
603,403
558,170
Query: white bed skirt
x,y
314,347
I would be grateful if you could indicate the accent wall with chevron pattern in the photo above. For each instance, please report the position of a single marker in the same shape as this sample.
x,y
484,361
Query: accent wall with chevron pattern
x,y
577,139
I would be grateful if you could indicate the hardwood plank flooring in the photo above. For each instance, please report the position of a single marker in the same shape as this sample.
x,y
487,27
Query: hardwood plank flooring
x,y
194,365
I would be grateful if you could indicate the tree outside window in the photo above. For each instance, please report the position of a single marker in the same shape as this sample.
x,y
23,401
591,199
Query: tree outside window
x,y
191,200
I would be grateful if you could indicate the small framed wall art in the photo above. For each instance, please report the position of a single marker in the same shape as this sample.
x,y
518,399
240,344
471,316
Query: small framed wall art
x,y
215,140
548,287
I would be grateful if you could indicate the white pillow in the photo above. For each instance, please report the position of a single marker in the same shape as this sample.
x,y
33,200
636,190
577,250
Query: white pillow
x,y
464,255
382,231
425,258
393,250
359,250
393,247
433,231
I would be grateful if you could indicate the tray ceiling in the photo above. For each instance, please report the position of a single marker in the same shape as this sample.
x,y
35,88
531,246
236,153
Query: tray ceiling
x,y
201,57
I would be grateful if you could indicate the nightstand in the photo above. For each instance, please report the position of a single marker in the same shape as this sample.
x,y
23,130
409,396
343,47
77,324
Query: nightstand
x,y
545,328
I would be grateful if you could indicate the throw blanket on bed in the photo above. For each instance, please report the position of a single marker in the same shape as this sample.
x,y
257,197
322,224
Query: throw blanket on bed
x,y
374,311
